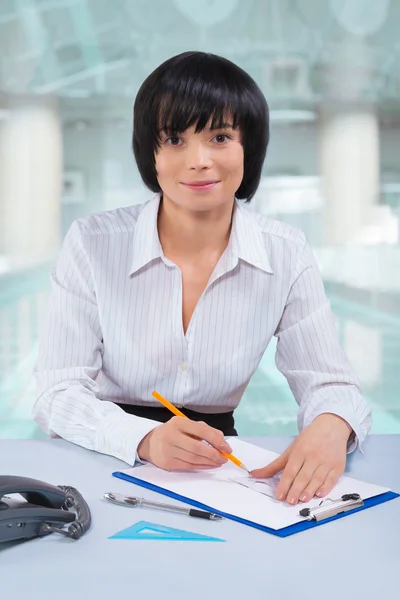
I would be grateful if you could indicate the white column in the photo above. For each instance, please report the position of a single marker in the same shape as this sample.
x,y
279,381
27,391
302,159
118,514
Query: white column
x,y
349,160
30,181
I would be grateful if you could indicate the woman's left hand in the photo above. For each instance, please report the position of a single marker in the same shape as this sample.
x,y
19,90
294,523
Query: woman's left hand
x,y
313,463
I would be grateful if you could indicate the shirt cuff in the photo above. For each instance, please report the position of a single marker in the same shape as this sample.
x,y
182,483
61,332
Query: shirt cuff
x,y
358,434
138,460
120,436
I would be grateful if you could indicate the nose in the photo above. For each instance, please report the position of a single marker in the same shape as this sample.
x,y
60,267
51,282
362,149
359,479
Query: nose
x,y
198,155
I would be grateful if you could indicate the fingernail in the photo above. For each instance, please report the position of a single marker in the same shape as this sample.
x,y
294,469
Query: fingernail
x,y
280,496
225,447
304,498
293,500
319,493
256,474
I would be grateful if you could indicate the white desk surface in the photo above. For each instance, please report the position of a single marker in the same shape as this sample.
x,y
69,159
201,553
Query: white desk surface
x,y
356,557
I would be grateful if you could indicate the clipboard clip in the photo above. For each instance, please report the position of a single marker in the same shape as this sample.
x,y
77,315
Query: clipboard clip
x,y
336,507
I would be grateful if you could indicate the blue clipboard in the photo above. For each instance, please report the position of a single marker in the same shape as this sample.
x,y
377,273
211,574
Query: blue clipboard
x,y
284,532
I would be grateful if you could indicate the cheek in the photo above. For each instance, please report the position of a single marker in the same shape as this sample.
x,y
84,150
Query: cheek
x,y
236,164
160,164
165,167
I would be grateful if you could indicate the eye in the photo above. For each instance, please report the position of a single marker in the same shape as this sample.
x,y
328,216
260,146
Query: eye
x,y
221,138
173,140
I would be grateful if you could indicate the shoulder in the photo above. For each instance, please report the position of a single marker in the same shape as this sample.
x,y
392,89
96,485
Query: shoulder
x,y
279,233
285,246
110,222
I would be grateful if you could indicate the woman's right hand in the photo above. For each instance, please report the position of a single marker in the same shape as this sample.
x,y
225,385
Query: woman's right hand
x,y
178,446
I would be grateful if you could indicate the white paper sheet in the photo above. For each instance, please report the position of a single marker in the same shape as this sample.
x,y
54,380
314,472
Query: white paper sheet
x,y
219,490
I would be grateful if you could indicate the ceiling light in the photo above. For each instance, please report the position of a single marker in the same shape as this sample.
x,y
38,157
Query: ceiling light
x,y
207,12
361,18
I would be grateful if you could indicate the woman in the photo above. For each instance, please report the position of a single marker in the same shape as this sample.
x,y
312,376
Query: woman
x,y
183,294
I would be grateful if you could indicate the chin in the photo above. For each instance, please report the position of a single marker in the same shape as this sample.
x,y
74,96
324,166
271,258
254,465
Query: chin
x,y
205,205
202,202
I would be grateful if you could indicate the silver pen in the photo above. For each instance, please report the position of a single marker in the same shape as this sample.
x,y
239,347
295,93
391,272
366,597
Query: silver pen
x,y
134,501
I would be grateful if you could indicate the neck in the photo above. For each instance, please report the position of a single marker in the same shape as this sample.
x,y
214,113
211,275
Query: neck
x,y
193,233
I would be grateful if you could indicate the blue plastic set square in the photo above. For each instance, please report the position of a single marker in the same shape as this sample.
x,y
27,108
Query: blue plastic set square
x,y
145,530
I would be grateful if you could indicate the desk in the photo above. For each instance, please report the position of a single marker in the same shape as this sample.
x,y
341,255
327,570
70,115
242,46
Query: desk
x,y
355,557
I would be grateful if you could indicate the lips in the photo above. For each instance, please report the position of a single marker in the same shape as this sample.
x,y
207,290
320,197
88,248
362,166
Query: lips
x,y
201,186
200,183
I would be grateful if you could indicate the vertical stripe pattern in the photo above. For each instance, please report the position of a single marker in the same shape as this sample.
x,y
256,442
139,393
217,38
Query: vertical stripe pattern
x,y
114,331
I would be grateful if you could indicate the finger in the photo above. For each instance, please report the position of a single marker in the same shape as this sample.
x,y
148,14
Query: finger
x,y
300,482
315,483
196,448
176,464
201,430
289,474
276,466
330,481
194,458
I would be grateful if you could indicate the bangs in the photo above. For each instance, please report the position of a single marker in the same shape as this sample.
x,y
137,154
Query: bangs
x,y
198,104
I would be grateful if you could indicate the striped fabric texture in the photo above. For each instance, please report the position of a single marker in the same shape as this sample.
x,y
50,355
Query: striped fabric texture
x,y
114,330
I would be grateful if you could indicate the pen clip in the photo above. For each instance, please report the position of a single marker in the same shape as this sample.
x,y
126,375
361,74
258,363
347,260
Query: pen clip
x,y
344,504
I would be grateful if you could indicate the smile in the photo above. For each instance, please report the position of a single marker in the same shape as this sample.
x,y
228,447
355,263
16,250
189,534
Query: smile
x,y
201,186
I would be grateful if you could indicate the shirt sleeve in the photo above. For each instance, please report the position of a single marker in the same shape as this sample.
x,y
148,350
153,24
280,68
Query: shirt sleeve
x,y
309,355
69,360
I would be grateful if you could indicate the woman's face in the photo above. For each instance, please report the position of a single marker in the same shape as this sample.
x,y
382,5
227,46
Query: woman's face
x,y
200,171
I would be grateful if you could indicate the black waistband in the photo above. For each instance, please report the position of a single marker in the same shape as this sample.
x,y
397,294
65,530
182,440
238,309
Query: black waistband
x,y
225,422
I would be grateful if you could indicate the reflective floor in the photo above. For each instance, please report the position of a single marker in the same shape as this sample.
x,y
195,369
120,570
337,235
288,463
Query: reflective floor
x,y
370,338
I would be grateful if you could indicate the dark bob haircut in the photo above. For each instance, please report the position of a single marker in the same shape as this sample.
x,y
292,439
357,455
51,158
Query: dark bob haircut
x,y
190,90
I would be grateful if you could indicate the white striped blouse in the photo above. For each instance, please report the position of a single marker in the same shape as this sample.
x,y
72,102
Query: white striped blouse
x,y
114,330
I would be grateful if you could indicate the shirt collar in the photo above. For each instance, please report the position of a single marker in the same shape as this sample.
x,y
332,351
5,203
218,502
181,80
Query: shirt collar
x,y
146,244
246,241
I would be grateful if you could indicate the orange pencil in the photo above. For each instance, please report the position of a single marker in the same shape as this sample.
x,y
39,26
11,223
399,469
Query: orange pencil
x,y
178,413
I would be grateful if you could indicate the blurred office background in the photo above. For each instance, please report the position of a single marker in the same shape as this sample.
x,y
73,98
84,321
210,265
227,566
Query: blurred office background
x,y
330,69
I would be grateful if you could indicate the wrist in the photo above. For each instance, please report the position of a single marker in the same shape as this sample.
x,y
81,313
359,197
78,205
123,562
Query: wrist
x,y
143,449
340,424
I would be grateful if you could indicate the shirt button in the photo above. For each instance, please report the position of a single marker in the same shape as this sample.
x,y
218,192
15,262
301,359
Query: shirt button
x,y
183,366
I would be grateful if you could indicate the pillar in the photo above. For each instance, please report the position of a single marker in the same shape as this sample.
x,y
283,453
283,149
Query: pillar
x,y
349,156
30,181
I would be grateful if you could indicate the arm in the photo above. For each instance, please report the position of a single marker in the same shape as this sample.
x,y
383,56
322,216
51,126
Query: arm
x,y
70,359
309,355
333,417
